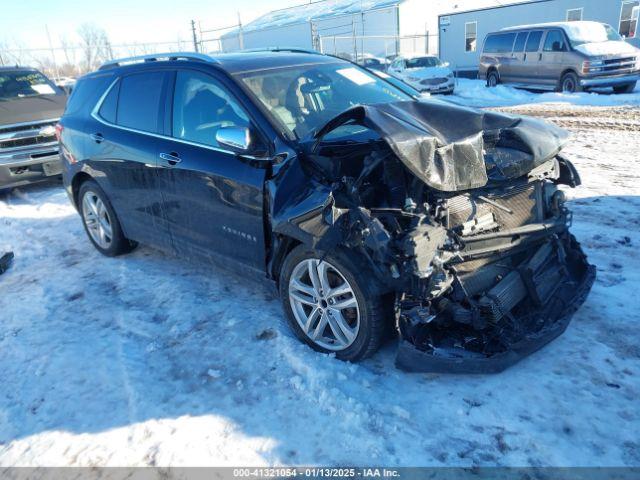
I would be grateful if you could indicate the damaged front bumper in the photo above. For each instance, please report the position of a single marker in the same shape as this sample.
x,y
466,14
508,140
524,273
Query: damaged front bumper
x,y
466,226
546,289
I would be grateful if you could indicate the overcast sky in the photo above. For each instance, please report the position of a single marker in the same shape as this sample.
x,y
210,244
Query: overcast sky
x,y
125,21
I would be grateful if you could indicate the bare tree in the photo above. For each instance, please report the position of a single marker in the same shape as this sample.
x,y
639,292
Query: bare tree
x,y
95,45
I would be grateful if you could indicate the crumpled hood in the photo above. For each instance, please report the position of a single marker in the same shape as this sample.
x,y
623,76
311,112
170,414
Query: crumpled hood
x,y
31,109
607,48
430,72
452,148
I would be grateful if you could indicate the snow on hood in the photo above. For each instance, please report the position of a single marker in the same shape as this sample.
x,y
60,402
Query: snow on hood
x,y
444,145
607,48
428,72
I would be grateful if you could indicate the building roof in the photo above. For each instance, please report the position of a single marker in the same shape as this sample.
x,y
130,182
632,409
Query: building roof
x,y
317,10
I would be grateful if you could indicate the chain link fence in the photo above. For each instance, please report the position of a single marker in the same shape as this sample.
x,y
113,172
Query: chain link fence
x,y
358,47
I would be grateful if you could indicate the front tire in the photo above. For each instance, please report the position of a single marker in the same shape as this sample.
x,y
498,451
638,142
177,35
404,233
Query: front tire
x,y
626,88
332,304
569,83
100,221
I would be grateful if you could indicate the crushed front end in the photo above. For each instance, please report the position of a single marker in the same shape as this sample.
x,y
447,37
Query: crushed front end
x,y
459,213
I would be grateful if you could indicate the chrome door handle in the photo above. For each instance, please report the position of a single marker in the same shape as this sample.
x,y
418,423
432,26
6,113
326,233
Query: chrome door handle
x,y
97,137
170,158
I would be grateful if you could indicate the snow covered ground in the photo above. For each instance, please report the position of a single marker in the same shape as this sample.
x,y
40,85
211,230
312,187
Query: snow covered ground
x,y
148,360
476,94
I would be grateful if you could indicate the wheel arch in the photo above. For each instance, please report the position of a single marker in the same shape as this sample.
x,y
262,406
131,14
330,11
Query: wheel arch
x,y
77,181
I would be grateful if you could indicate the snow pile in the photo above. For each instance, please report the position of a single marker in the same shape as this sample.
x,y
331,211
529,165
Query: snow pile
x,y
476,93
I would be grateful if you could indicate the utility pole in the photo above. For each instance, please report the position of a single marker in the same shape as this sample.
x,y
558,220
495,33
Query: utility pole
x,y
53,54
240,34
195,37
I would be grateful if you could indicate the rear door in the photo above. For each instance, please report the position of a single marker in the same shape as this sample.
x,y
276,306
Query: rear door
x,y
554,57
532,57
123,132
213,198
516,71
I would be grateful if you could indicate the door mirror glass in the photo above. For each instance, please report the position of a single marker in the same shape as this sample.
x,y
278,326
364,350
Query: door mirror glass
x,y
237,139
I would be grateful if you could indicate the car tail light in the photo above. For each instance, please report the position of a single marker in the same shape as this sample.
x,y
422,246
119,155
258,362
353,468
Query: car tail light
x,y
59,129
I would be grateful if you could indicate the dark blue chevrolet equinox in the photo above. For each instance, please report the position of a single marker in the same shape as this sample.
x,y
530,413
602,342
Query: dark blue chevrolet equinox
x,y
374,211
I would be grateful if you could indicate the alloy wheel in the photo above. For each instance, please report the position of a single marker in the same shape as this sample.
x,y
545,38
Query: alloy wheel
x,y
97,219
324,304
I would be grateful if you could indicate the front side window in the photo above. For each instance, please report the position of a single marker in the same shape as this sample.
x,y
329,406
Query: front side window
x,y
303,98
139,101
470,36
629,18
201,106
555,42
574,15
24,83
533,42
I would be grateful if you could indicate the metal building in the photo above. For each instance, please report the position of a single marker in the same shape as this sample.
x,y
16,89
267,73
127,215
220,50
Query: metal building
x,y
350,28
462,33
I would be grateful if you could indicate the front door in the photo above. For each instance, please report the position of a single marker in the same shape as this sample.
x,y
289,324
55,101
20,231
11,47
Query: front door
x,y
213,199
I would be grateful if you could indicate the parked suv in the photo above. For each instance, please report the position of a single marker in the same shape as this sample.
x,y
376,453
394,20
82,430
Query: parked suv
x,y
565,56
30,107
369,210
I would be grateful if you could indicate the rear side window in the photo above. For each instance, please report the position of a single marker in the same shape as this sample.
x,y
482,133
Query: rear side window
x,y
521,41
555,42
533,43
109,106
139,101
499,43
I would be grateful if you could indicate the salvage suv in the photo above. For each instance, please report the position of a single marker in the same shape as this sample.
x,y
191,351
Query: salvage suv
x,y
30,107
370,210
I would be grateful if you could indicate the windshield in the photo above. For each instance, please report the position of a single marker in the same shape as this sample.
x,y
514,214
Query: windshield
x,y
304,97
423,62
24,83
590,32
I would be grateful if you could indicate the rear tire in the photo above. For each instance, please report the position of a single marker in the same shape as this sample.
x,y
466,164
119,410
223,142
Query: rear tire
x,y
626,88
569,83
493,79
351,325
100,221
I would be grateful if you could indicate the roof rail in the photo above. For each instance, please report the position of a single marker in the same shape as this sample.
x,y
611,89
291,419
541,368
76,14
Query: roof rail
x,y
155,57
281,49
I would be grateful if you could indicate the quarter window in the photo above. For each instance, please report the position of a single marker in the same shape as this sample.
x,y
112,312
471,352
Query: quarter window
x,y
555,42
629,18
470,36
574,15
500,43
139,101
201,106
533,42
109,107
